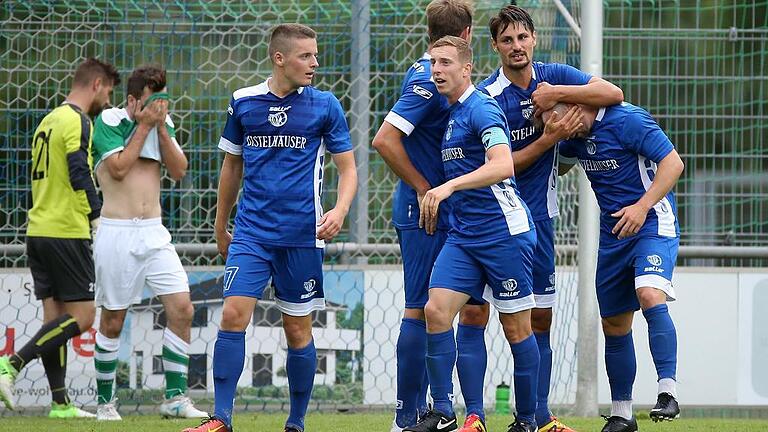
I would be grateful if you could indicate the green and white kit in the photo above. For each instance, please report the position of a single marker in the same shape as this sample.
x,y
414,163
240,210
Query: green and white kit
x,y
113,131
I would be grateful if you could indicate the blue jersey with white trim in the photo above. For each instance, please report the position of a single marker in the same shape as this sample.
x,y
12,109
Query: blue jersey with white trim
x,y
282,142
619,156
537,183
421,113
477,123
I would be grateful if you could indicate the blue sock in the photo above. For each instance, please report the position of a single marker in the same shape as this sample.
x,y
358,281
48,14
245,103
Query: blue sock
x,y
411,370
662,337
621,366
228,361
421,403
471,363
441,357
545,372
526,357
300,367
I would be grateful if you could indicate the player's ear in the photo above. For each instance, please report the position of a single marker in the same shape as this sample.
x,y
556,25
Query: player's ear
x,y
278,59
96,85
534,38
493,45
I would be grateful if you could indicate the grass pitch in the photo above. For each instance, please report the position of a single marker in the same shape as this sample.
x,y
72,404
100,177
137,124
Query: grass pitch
x,y
362,422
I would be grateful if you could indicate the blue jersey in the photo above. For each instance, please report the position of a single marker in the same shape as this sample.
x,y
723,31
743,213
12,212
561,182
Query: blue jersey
x,y
537,183
282,142
421,113
476,123
620,156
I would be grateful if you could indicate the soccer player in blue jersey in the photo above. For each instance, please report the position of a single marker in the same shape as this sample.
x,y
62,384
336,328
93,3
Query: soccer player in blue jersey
x,y
409,141
522,87
632,166
275,140
489,250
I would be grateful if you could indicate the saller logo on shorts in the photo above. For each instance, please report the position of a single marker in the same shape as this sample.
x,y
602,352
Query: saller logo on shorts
x,y
309,285
654,260
509,284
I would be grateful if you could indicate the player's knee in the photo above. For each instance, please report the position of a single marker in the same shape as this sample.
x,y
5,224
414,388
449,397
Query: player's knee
x,y
474,315
182,315
541,320
85,320
233,319
516,330
618,325
650,297
297,334
437,316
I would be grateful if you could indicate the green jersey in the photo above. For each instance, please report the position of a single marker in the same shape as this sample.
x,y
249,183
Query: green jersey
x,y
114,129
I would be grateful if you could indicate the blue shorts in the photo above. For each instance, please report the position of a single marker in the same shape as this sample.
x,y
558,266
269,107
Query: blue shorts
x,y
544,265
419,252
639,262
499,271
297,274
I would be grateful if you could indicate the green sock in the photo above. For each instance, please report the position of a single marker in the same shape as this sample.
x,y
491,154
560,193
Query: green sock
x,y
175,364
105,360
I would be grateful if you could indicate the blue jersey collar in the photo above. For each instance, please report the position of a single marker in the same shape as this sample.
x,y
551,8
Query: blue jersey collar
x,y
467,93
266,88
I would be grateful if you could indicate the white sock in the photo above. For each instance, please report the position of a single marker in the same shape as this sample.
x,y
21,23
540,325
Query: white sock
x,y
668,385
622,409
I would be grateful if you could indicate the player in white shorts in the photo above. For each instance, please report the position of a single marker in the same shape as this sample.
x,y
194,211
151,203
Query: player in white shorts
x,y
132,249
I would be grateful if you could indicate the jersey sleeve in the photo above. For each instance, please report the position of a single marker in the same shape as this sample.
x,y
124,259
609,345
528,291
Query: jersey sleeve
x,y
232,138
170,126
107,139
644,136
567,153
336,134
77,140
489,123
419,99
568,75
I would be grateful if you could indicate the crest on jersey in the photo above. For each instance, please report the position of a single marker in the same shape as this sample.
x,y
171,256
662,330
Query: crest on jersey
x,y
655,260
309,285
528,112
527,108
449,131
278,116
591,146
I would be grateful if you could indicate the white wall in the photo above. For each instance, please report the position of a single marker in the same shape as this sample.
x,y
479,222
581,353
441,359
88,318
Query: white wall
x,y
722,328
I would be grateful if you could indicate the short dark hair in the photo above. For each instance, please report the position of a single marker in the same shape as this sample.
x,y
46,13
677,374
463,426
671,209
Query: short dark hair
x,y
448,18
278,39
508,15
462,47
150,75
93,68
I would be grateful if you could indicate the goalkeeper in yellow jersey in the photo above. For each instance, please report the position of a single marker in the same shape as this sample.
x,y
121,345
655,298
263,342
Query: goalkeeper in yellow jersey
x,y
65,207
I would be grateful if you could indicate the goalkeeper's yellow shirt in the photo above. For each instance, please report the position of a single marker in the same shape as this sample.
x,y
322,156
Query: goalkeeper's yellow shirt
x,y
64,198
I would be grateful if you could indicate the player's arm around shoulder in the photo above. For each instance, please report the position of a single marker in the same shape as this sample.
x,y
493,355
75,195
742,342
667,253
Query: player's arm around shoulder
x,y
173,156
573,89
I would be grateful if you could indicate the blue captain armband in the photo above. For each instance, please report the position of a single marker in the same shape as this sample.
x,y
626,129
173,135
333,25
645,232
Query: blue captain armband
x,y
494,136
